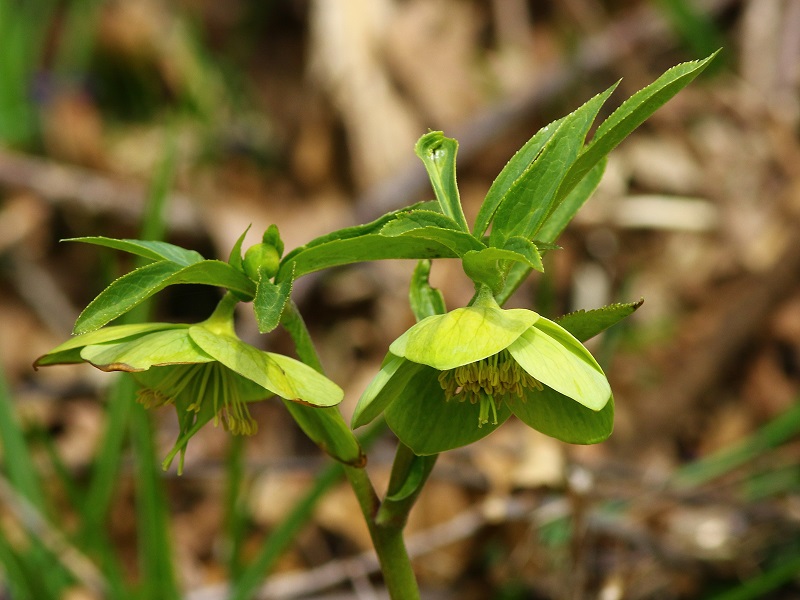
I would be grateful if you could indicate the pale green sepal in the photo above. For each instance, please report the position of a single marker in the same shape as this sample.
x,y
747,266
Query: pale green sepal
x,y
387,385
552,355
428,424
139,354
150,249
561,417
311,386
462,336
327,429
284,376
69,351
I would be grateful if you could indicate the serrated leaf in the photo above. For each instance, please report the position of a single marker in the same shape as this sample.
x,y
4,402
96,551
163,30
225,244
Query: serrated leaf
x,y
235,256
569,206
510,173
485,267
130,290
438,154
424,299
269,303
150,249
532,197
631,113
527,249
356,231
433,226
416,219
585,324
368,247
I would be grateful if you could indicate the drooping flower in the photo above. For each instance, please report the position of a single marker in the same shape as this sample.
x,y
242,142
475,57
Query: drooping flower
x,y
204,370
452,379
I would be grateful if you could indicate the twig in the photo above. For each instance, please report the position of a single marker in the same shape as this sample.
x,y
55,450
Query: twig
x,y
59,183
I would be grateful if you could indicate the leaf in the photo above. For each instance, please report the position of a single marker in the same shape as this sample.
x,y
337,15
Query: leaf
x,y
510,173
358,230
433,226
631,113
460,242
529,251
368,247
425,422
235,256
438,154
485,266
269,303
326,427
568,208
415,477
561,417
585,324
532,197
150,249
138,285
273,237
416,219
425,300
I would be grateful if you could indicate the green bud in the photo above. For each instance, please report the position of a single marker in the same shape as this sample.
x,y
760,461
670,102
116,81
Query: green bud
x,y
263,258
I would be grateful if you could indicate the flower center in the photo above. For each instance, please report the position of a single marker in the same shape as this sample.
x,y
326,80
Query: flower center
x,y
189,386
488,381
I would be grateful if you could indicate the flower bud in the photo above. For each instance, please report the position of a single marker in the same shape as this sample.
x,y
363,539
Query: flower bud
x,y
262,257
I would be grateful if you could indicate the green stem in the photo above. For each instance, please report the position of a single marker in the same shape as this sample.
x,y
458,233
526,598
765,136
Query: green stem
x,y
398,575
387,536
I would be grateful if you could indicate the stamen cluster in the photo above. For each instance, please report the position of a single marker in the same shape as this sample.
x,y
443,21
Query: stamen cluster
x,y
196,383
498,376
488,381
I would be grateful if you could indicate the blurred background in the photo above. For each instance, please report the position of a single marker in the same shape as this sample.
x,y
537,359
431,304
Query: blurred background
x,y
304,114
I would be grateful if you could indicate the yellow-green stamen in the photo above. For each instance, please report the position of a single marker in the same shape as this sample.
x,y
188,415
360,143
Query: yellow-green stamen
x,y
488,381
194,384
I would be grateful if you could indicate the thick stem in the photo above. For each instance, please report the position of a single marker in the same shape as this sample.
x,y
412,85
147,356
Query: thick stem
x,y
398,575
387,538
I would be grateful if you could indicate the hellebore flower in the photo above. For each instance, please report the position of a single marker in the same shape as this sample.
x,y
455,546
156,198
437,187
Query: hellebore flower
x,y
204,370
452,379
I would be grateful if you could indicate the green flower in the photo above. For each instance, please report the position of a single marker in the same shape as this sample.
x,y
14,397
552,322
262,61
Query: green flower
x,y
452,379
204,370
